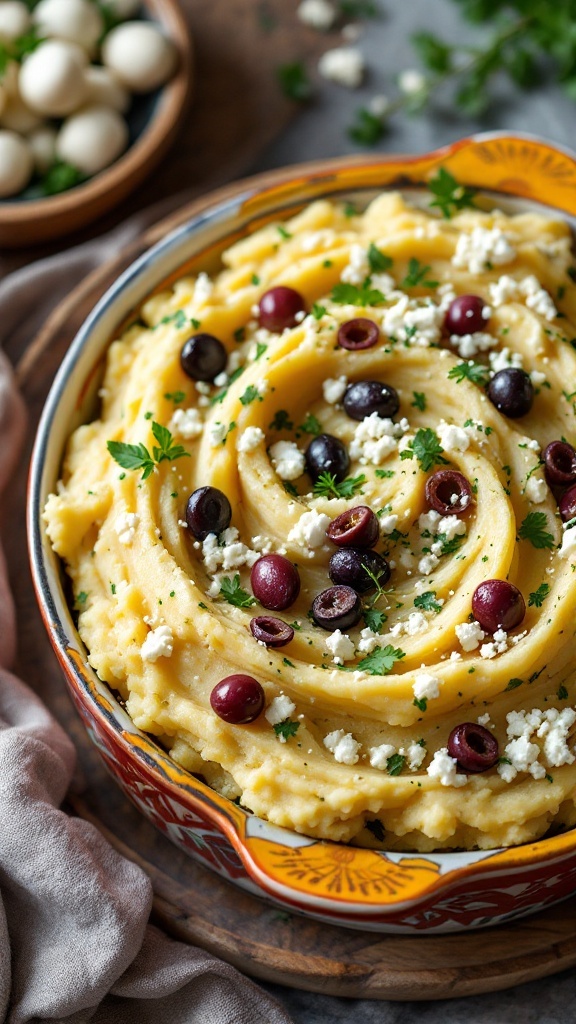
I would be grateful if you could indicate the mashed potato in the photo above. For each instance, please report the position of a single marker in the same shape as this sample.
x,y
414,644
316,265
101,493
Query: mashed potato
x,y
357,722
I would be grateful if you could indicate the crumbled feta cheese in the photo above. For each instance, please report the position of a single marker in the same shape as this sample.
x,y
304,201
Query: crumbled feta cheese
x,y
203,289
313,240
226,551
451,526
358,267
481,248
263,386
414,624
279,709
388,523
125,526
186,423
409,320
158,644
368,640
318,14
379,755
249,439
484,719
469,634
505,289
427,564
497,645
537,298
310,530
343,65
287,459
217,432
568,545
505,358
340,646
556,749
443,767
469,345
426,685
375,438
415,754
536,489
452,438
411,81
429,521
333,389
221,379
343,745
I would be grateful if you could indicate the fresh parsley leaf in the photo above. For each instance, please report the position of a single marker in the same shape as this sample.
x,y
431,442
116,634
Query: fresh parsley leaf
x,y
131,456
281,421
427,449
356,295
318,311
222,394
60,178
434,54
427,602
378,261
534,529
416,276
250,395
284,234
421,703
81,599
261,348
166,450
395,764
232,592
311,425
240,335
327,487
381,660
513,684
374,619
562,693
474,372
286,729
450,196
175,396
536,598
376,828
419,400
368,128
294,81
449,547
289,488
384,474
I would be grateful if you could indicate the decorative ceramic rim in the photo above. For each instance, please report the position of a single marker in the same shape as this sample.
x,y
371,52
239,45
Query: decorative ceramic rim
x,y
518,166
143,153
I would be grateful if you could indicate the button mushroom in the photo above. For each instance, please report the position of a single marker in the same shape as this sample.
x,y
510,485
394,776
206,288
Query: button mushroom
x,y
52,80
16,164
92,139
77,21
140,56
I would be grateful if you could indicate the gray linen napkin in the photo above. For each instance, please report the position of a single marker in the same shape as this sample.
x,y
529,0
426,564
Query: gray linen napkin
x,y
75,943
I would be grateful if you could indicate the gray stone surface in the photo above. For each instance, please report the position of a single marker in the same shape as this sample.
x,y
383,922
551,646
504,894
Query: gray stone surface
x,y
321,131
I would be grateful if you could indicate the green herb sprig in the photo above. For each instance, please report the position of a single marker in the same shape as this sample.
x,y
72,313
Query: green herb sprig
x,y
137,456
326,486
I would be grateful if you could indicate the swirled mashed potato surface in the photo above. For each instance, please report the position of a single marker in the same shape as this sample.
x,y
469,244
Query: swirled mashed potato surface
x,y
356,724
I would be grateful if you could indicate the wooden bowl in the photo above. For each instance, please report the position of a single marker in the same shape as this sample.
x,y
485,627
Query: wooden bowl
x,y
29,221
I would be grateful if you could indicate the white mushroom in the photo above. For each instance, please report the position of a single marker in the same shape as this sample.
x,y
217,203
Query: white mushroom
x,y
92,139
105,89
52,79
15,20
16,116
16,164
123,9
42,142
139,55
77,21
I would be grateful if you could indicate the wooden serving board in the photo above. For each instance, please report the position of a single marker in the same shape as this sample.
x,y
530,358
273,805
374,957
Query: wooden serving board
x,y
191,902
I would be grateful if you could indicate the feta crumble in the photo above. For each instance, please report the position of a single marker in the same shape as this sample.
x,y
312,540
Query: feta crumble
x,y
452,438
125,526
343,745
426,685
279,709
310,530
358,267
469,345
158,644
379,755
444,769
375,438
343,65
340,646
226,551
287,459
469,634
249,439
186,423
217,432
481,248
203,289
536,489
333,389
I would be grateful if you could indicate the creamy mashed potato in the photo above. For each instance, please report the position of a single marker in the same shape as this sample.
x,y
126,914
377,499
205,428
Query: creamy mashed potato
x,y
356,724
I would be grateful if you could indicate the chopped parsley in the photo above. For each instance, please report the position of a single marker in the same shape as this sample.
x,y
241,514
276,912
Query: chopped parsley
x,y
378,261
537,597
287,728
421,703
374,619
261,348
327,487
311,425
419,400
255,279
283,232
137,456
81,599
513,684
175,396
381,661
286,661
474,372
356,295
376,828
416,275
232,592
179,319
318,311
395,764
449,195
240,335
281,421
60,177
294,81
251,394
534,529
427,602
562,693
289,488
368,128
427,448
384,474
